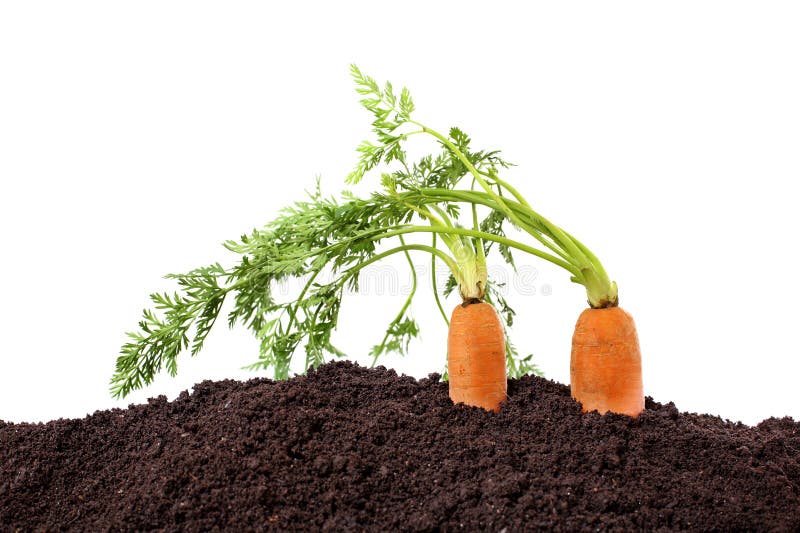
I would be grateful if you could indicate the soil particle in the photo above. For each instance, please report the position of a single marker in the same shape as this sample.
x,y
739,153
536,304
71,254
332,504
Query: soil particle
x,y
348,448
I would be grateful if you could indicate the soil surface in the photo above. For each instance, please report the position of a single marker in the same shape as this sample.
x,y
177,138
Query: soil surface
x,y
347,448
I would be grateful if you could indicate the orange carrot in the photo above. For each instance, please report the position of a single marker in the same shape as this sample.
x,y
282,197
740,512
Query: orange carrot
x,y
606,364
476,356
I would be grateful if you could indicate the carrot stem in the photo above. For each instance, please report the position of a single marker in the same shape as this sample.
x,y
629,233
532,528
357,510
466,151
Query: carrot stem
x,y
400,230
403,309
601,291
420,247
535,228
471,168
477,227
435,285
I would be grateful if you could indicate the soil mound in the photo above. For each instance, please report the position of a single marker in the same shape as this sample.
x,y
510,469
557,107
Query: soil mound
x,y
350,448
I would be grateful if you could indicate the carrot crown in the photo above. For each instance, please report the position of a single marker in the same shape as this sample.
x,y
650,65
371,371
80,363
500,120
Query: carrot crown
x,y
326,242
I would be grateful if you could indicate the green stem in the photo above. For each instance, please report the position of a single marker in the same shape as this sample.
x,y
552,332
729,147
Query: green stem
x,y
435,285
467,163
401,230
292,314
311,341
403,309
476,226
592,258
535,228
507,186
442,213
424,213
420,247
588,271
555,230
586,257
435,222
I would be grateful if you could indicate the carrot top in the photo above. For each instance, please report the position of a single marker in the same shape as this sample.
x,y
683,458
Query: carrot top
x,y
327,242
393,125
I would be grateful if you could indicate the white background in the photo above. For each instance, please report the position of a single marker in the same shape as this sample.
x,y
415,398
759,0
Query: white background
x,y
135,137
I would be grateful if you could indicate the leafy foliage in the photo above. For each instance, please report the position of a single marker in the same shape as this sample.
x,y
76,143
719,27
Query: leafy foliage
x,y
390,114
160,340
324,238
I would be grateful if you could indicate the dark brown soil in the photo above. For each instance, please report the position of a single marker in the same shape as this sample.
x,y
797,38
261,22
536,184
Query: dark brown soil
x,y
348,448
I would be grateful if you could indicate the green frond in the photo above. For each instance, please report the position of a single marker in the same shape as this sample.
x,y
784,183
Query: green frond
x,y
338,237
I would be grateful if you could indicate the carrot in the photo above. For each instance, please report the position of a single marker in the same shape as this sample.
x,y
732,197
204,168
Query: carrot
x,y
476,356
606,364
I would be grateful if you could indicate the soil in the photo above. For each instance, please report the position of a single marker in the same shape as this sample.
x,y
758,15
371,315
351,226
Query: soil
x,y
348,448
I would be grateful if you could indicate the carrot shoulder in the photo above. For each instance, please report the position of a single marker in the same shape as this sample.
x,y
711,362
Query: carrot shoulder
x,y
476,356
606,364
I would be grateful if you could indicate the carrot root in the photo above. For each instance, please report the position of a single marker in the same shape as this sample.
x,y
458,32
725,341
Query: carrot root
x,y
476,357
606,363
